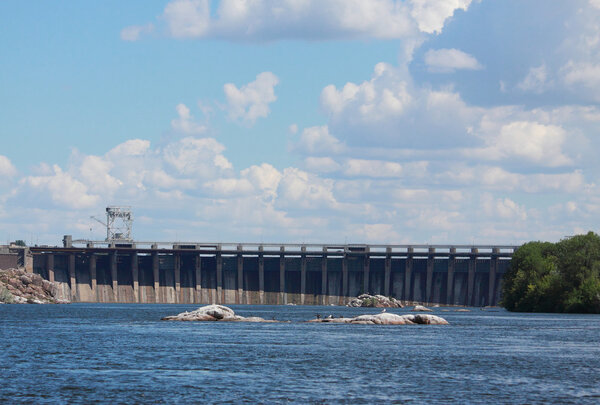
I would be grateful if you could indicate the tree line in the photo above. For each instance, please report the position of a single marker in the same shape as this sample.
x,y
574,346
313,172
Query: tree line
x,y
555,277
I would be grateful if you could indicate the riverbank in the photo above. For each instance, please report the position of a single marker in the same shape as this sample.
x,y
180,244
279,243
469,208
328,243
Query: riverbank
x,y
19,287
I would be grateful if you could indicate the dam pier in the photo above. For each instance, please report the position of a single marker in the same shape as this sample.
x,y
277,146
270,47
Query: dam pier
x,y
276,274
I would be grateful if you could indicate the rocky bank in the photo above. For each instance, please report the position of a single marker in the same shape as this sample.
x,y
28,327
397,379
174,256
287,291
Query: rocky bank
x,y
20,287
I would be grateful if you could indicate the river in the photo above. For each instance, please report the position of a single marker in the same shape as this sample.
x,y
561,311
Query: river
x,y
117,353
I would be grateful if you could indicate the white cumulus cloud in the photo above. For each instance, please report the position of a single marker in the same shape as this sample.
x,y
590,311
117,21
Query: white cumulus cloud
x,y
264,20
318,141
62,188
450,60
252,100
389,110
7,169
503,208
185,122
432,14
197,157
299,189
531,141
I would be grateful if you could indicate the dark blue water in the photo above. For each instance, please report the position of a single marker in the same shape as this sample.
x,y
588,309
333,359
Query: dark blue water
x,y
86,353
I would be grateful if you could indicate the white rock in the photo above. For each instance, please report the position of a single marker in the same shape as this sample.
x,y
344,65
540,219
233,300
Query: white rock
x,y
427,319
213,313
387,318
216,311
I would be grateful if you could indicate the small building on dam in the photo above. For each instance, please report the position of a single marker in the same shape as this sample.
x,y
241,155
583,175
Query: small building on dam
x,y
303,274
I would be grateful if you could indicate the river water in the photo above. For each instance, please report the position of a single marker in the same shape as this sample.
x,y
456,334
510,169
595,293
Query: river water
x,y
103,353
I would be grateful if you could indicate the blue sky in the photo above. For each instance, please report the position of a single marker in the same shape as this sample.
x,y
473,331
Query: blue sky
x,y
416,121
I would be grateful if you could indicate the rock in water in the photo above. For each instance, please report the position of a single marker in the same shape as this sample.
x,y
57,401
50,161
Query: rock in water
x,y
387,319
421,308
213,313
216,311
426,319
375,301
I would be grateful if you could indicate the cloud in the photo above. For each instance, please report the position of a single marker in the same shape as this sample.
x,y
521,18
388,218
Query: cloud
x,y
498,178
258,180
372,101
450,60
531,141
251,101
134,32
571,66
321,164
62,188
185,122
267,20
372,168
379,233
263,177
318,141
584,74
536,80
130,148
197,157
6,167
299,189
95,172
431,15
390,111
187,18
229,187
504,208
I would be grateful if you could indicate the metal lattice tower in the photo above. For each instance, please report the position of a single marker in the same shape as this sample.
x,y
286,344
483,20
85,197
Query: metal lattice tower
x,y
119,222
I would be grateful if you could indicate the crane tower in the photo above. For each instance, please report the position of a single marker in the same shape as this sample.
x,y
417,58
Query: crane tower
x,y
119,222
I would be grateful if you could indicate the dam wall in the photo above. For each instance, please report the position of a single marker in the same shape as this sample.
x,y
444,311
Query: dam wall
x,y
273,274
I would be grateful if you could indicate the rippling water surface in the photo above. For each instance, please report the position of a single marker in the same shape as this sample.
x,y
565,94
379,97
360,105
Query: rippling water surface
x,y
84,353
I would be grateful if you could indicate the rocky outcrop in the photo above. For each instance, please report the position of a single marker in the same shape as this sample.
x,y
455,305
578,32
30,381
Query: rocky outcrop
x,y
213,313
386,319
421,308
20,287
375,301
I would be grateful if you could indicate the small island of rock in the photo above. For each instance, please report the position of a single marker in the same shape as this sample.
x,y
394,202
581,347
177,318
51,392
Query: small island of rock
x,y
213,313
375,301
421,308
386,318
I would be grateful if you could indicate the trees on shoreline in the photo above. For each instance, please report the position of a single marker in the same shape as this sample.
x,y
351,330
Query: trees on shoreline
x,y
555,277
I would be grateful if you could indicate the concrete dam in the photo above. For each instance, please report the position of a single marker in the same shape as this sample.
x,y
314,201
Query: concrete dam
x,y
277,274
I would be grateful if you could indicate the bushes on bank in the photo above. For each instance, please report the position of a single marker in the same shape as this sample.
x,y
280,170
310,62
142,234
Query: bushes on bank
x,y
555,277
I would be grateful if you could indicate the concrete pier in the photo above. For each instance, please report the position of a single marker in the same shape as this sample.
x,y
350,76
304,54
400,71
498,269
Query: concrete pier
x,y
273,274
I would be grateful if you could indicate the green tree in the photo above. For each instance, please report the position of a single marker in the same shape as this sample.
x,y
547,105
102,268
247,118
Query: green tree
x,y
561,277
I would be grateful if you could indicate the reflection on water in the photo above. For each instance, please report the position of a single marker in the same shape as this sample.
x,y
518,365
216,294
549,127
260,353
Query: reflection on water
x,y
82,353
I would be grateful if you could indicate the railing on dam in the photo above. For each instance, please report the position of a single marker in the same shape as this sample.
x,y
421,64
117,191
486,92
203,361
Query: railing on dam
x,y
252,273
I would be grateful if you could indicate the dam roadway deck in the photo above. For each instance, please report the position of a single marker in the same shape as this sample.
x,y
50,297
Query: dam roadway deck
x,y
251,273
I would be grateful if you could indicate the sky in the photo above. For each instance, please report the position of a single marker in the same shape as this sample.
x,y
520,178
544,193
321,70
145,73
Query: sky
x,y
301,121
